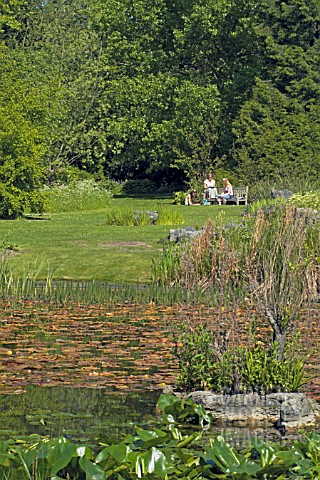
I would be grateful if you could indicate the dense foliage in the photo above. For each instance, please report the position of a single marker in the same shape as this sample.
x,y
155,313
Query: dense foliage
x,y
207,362
162,453
156,90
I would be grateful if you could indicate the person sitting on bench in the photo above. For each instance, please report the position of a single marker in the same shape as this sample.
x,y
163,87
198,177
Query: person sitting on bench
x,y
210,190
227,192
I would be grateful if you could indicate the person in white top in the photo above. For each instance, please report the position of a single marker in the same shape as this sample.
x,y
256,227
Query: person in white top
x,y
210,190
190,197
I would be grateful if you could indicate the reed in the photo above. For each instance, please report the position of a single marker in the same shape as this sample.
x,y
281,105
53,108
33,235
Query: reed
x,y
89,292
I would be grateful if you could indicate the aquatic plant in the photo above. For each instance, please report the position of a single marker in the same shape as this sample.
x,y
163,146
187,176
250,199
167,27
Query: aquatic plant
x,y
161,453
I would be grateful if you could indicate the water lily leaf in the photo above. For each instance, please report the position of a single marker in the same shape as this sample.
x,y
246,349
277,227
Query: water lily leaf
x,y
267,451
146,435
118,451
228,460
92,471
60,455
166,401
289,457
156,462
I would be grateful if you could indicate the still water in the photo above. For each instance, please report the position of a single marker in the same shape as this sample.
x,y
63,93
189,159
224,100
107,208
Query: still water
x,y
88,415
81,414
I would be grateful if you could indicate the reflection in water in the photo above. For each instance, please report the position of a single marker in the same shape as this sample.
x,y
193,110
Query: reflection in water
x,y
82,414
88,415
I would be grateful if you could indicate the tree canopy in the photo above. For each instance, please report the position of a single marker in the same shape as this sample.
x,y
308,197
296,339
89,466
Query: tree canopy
x,y
132,89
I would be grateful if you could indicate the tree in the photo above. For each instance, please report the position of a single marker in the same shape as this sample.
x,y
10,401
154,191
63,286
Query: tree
x,y
276,137
277,129
22,141
10,12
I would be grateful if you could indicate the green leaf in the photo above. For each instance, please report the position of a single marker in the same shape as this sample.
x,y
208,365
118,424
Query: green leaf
x,y
266,450
93,471
156,462
228,460
118,451
166,400
60,455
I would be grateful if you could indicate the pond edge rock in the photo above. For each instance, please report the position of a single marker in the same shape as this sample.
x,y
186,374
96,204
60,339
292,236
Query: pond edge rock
x,y
286,410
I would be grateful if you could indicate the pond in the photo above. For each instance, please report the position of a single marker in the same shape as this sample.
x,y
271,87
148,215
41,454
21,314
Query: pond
x,y
90,371
82,414
126,349
90,416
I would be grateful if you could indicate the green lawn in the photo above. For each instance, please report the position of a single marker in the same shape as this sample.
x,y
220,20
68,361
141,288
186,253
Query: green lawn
x,y
81,245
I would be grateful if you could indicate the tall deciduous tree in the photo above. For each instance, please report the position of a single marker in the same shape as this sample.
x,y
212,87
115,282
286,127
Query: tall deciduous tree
x,y
22,140
153,88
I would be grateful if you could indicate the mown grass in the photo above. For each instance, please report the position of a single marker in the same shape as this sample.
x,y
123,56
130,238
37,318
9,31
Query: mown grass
x,y
81,246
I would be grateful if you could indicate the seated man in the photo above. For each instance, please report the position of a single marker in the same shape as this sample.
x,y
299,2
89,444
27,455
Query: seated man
x,y
210,190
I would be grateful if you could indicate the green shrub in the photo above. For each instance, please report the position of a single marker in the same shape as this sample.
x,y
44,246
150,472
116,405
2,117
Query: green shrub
x,y
139,186
197,360
65,174
206,363
14,202
146,186
111,186
179,198
306,200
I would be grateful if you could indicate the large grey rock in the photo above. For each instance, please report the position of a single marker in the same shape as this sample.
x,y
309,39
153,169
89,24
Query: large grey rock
x,y
179,235
275,193
291,410
151,214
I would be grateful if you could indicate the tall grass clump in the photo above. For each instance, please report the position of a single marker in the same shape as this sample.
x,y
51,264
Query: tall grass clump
x,y
273,258
130,218
66,292
283,267
169,216
213,260
78,196
168,270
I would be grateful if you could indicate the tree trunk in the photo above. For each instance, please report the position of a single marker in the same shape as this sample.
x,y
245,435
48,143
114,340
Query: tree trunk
x,y
280,338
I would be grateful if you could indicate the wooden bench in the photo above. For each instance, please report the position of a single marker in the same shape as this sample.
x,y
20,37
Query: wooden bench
x,y
240,196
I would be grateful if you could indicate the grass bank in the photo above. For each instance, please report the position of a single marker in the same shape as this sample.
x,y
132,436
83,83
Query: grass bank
x,y
81,246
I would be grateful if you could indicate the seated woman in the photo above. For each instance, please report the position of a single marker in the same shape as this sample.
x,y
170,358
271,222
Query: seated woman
x,y
190,198
210,190
227,192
